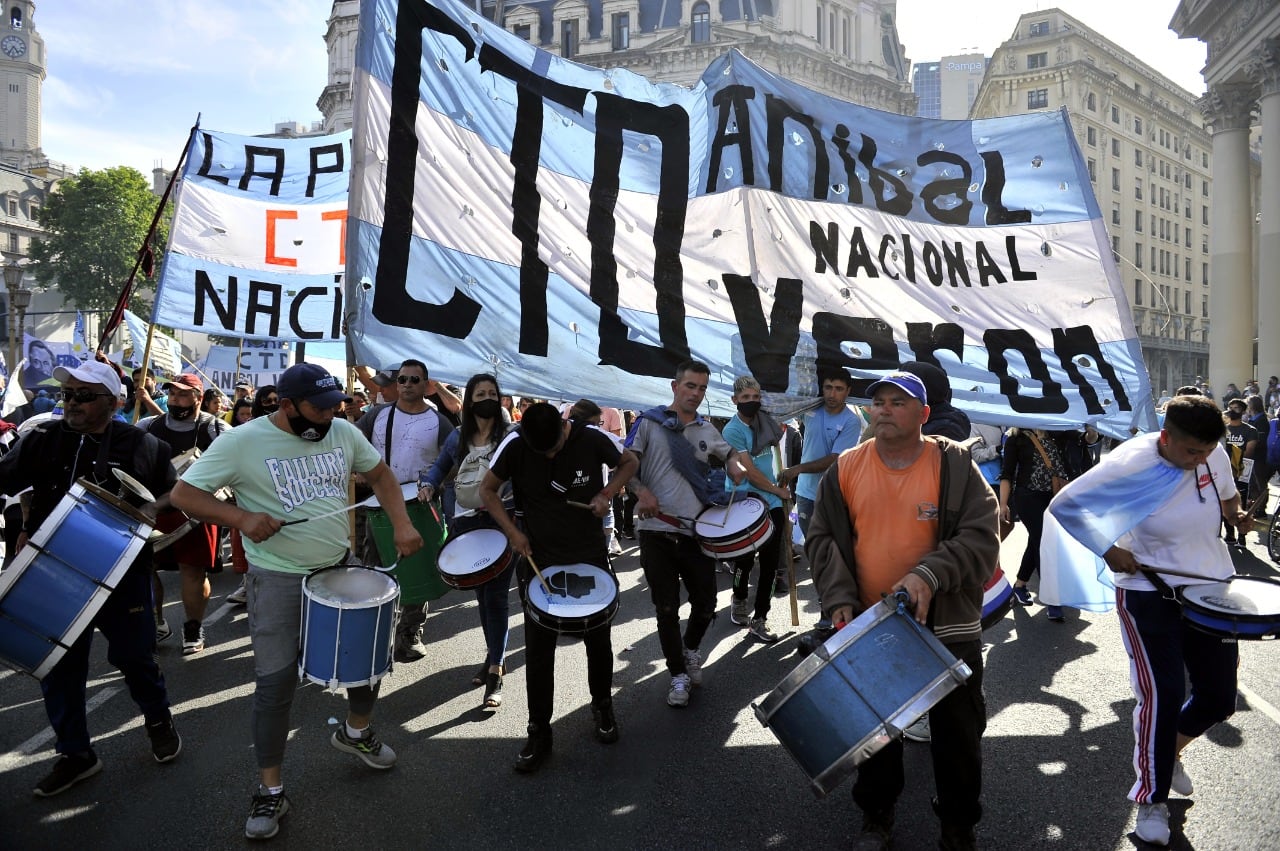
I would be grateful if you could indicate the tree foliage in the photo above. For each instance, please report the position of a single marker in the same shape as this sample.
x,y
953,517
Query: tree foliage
x,y
94,225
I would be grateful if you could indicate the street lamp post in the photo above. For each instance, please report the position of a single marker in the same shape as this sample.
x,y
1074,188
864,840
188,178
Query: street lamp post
x,y
13,283
21,300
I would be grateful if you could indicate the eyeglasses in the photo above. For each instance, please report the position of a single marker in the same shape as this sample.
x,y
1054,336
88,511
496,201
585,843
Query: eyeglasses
x,y
82,395
408,379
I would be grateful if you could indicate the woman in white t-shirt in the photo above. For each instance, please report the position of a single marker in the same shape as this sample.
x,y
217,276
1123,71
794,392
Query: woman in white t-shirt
x,y
462,463
1173,487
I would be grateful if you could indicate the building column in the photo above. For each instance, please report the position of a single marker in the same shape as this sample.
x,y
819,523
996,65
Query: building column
x,y
1231,333
1267,72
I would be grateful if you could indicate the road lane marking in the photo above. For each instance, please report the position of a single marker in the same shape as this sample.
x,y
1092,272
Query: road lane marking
x,y
31,746
1256,702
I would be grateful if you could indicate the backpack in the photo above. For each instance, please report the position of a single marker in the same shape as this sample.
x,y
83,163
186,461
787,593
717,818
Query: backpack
x,y
1273,444
469,473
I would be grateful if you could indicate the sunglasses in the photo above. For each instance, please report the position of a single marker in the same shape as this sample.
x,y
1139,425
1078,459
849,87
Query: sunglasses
x,y
82,395
408,379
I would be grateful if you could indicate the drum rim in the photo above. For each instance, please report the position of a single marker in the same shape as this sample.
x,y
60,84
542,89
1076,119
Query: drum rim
x,y
1195,607
393,590
734,549
113,501
610,607
750,496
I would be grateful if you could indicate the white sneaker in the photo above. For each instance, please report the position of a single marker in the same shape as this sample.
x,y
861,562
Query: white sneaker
x,y
1181,783
1153,823
693,666
240,596
679,694
615,548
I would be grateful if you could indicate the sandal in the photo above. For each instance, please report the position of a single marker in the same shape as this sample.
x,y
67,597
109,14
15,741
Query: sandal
x,y
481,675
493,691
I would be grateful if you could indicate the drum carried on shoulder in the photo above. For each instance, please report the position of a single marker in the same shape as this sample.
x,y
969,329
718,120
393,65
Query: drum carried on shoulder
x,y
58,583
858,691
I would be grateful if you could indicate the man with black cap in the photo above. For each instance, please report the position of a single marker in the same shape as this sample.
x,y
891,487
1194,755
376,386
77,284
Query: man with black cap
x,y
185,427
551,462
294,464
905,512
87,443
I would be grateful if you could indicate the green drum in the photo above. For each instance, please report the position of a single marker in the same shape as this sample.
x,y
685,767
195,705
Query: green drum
x,y
419,580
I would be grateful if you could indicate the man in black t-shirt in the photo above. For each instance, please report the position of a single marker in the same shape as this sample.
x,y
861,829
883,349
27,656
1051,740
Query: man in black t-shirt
x,y
87,443
551,462
1241,440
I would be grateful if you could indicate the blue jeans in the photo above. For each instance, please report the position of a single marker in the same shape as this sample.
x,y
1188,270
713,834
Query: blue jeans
x,y
493,597
127,622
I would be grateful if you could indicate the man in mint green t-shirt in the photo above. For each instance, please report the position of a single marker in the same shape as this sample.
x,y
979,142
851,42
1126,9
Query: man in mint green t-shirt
x,y
294,464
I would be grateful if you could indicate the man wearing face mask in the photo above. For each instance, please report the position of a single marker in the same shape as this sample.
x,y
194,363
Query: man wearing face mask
x,y
185,427
756,432
293,465
408,434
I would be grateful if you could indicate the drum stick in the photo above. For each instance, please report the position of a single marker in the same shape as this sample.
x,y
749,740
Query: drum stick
x,y
791,563
570,502
541,578
364,503
1170,572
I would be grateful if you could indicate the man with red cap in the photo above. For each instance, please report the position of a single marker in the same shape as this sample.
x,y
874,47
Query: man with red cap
x,y
185,427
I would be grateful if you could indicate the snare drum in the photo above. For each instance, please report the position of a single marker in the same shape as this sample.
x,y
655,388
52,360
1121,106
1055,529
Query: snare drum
x,y
419,580
473,558
1242,607
727,531
348,616
57,584
858,691
583,597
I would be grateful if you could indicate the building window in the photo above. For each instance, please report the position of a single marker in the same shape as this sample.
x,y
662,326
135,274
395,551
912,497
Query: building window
x,y
1115,214
821,20
13,88
700,31
1039,27
1204,160
1115,147
1115,115
1091,137
1115,247
844,33
569,39
33,210
1091,102
1137,157
1137,254
1204,299
1037,60
1093,171
1137,221
1186,302
1187,273
1204,188
1137,126
13,243
1137,188
1115,180
622,31
1204,215
1137,292
1037,99
13,206
523,31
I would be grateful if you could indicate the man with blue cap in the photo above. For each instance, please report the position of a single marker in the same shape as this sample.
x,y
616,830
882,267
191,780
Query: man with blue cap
x,y
908,512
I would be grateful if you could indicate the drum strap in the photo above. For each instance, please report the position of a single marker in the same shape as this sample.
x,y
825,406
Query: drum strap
x,y
391,419
1163,587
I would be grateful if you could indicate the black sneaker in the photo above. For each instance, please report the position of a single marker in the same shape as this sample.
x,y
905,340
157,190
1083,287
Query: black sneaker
x,y
67,772
606,726
535,750
265,815
166,744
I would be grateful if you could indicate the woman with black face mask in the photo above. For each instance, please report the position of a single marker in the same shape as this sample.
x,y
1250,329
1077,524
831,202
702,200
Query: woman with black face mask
x,y
464,460
265,401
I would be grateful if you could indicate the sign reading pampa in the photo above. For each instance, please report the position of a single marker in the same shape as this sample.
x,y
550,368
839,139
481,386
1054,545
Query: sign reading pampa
x,y
257,247
581,231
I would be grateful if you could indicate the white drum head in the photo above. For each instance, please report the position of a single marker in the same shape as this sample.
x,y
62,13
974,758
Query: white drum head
x,y
1242,595
728,521
577,591
352,587
471,552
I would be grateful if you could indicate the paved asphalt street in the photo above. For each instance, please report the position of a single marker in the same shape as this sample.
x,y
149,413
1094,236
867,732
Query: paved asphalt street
x,y
1058,749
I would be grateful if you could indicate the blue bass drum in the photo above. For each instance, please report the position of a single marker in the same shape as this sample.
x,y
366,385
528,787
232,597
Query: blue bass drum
x,y
857,692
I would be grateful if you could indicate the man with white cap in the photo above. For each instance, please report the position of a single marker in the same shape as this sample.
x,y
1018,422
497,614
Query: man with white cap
x,y
293,464
87,443
908,512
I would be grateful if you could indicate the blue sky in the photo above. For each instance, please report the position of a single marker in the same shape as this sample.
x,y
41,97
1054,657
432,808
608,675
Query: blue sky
x,y
126,80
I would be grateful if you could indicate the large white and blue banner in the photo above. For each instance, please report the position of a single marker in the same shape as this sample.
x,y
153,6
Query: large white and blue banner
x,y
257,245
581,231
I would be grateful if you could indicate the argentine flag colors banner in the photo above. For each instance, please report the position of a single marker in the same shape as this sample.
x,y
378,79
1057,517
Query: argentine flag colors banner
x,y
581,231
259,233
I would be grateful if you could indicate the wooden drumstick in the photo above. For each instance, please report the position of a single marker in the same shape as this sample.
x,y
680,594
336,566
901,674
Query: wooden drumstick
x,y
1170,572
791,562
541,578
